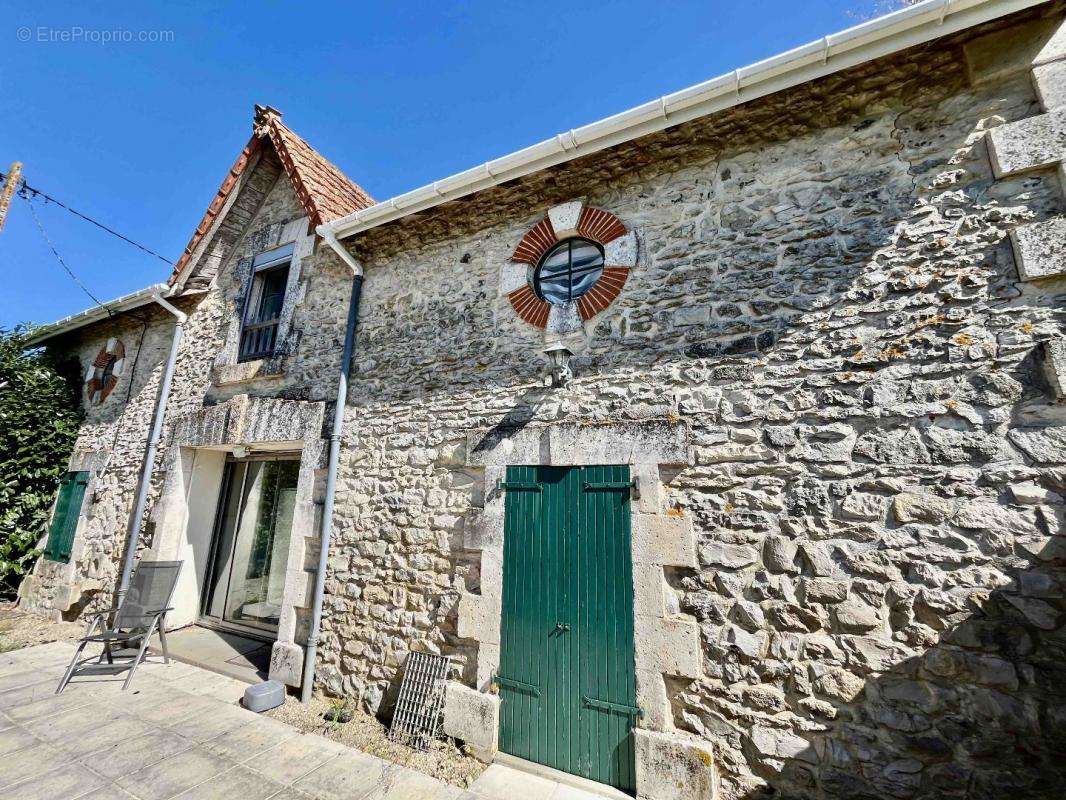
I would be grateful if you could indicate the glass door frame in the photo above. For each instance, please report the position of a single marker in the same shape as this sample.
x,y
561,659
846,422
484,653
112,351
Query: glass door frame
x,y
267,634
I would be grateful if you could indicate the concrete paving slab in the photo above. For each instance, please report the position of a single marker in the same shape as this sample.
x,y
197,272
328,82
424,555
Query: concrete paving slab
x,y
221,720
69,783
15,739
251,739
123,758
499,781
350,776
18,679
179,706
237,783
27,694
48,706
30,762
291,794
117,730
292,759
108,792
173,775
95,742
405,784
226,653
71,723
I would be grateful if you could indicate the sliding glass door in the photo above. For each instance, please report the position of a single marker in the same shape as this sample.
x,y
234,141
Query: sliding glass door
x,y
246,576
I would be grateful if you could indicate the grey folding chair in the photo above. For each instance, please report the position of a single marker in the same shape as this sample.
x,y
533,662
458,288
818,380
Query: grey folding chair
x,y
142,612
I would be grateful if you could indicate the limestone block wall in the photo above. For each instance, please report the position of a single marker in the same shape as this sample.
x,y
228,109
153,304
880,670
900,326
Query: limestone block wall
x,y
827,297
112,440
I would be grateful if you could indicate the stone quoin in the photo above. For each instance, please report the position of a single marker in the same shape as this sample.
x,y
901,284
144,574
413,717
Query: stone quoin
x,y
819,326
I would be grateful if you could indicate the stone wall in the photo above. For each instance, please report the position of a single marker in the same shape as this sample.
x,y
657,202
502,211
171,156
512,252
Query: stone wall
x,y
827,300
827,297
112,440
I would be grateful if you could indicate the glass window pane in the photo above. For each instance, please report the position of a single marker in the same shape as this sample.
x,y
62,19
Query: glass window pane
x,y
270,294
569,270
260,557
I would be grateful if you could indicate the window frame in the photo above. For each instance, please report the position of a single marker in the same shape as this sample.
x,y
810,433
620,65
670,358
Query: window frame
x,y
569,242
270,261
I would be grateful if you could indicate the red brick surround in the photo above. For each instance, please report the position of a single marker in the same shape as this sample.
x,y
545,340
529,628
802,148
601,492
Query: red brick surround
x,y
595,224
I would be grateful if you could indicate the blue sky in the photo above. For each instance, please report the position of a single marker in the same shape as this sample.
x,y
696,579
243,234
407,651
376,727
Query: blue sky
x,y
139,135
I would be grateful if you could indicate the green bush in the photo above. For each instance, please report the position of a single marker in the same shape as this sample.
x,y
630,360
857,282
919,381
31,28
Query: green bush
x,y
39,418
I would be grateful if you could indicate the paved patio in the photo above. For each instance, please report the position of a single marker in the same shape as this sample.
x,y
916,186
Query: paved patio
x,y
177,733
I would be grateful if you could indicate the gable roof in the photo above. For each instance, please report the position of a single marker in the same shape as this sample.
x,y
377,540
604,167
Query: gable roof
x,y
324,191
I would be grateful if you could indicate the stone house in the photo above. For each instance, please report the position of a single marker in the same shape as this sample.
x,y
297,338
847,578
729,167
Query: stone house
x,y
720,444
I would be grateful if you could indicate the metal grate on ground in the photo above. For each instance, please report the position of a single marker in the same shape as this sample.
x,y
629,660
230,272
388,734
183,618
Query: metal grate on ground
x,y
418,709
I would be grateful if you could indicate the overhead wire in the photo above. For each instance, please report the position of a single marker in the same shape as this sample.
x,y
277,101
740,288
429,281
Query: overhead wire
x,y
26,191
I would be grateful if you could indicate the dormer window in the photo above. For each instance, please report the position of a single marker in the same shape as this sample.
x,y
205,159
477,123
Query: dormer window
x,y
266,297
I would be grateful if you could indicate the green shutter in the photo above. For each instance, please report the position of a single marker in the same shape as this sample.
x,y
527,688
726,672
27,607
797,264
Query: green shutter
x,y
65,517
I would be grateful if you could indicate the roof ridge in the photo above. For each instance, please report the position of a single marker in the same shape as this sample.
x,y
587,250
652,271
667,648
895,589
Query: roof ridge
x,y
322,188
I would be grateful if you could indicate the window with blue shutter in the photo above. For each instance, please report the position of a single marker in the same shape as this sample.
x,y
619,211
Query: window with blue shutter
x,y
65,517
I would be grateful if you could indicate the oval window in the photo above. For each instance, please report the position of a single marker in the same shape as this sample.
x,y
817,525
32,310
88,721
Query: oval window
x,y
568,270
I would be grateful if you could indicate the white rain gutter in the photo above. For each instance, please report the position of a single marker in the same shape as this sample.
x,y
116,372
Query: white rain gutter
x,y
133,528
877,38
308,680
152,294
127,302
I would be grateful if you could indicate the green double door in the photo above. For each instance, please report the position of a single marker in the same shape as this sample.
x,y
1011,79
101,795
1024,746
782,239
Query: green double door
x,y
568,696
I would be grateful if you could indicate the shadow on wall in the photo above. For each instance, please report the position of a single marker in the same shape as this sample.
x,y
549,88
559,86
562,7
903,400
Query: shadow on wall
x,y
839,320
980,714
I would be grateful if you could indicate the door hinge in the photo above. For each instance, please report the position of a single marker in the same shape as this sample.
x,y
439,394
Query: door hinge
x,y
607,705
511,683
520,485
617,486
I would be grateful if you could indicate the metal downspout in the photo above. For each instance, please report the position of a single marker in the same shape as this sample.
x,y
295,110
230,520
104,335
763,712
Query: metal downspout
x,y
133,530
308,679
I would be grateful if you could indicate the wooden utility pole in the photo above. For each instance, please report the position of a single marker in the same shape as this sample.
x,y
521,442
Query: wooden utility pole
x,y
14,178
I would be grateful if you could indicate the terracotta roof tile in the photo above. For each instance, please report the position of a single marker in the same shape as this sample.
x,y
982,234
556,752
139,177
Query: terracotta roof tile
x,y
324,191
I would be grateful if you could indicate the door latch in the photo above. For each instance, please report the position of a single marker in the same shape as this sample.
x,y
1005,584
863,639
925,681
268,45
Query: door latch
x,y
562,627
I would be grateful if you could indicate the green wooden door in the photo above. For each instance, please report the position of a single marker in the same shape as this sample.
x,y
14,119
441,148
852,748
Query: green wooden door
x,y
566,663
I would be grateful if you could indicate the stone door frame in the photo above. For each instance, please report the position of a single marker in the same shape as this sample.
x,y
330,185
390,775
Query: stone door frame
x,y
664,643
258,423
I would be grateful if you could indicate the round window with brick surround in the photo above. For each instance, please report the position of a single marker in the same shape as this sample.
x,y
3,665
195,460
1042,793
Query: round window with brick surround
x,y
104,371
576,254
568,270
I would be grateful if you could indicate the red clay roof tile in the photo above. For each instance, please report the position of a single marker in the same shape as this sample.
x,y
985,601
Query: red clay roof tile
x,y
324,191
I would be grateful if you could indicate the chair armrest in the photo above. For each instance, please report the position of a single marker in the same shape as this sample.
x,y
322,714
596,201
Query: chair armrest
x,y
103,613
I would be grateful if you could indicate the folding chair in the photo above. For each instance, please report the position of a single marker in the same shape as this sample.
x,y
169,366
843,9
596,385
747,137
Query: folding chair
x,y
142,612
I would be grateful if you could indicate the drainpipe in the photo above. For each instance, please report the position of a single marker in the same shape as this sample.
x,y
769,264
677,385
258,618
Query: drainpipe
x,y
308,679
133,530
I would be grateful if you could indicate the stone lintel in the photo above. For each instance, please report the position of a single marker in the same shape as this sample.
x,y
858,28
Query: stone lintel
x,y
673,767
1028,144
1040,249
473,717
575,444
